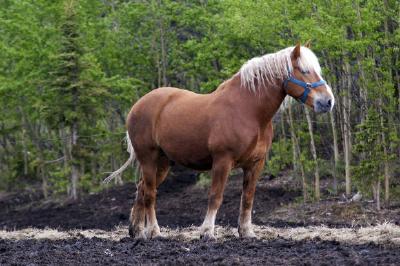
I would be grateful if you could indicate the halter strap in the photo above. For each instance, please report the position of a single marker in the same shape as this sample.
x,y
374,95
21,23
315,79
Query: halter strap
x,y
306,85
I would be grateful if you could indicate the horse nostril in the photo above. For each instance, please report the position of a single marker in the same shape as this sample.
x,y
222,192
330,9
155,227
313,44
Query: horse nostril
x,y
324,105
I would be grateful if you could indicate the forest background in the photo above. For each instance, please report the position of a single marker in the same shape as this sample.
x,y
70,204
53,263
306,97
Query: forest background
x,y
70,71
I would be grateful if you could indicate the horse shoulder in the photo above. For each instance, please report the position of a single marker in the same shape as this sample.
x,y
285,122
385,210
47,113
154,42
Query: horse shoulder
x,y
232,133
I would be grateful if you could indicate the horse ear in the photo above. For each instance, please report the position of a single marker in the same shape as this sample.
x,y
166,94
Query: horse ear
x,y
308,44
296,51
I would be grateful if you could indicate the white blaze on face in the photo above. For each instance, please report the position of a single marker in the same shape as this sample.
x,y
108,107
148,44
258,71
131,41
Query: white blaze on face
x,y
328,88
324,96
324,100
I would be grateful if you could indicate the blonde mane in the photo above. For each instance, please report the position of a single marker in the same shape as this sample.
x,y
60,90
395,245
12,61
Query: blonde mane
x,y
269,68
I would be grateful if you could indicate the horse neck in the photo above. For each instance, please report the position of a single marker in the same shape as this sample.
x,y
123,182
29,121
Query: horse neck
x,y
261,104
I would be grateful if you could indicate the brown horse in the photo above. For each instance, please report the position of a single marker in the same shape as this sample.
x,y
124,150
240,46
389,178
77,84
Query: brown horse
x,y
228,128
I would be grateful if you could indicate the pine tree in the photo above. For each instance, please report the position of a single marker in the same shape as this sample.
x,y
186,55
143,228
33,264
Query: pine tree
x,y
74,96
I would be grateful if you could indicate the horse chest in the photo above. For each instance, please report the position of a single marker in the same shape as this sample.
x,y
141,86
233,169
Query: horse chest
x,y
254,146
254,152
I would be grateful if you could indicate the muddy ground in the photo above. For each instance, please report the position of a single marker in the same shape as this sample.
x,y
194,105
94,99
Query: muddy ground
x,y
93,230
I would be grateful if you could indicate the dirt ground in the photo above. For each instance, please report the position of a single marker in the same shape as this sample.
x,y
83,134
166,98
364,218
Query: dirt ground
x,y
94,230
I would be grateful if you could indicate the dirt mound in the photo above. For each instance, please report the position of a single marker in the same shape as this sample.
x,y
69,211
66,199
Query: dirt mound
x,y
335,213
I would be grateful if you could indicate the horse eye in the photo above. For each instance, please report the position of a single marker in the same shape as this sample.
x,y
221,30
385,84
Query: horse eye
x,y
305,72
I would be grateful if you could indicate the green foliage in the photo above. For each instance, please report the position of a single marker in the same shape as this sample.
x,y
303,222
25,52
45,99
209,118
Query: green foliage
x,y
280,157
204,179
369,142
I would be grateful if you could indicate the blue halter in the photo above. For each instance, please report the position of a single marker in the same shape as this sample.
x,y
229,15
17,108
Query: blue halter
x,y
306,85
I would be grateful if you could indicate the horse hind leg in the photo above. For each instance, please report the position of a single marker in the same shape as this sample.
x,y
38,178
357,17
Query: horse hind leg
x,y
144,198
162,169
152,227
137,217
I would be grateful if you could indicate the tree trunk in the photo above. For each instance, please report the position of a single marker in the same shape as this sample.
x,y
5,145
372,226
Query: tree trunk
x,y
347,130
163,47
362,82
73,193
297,164
385,154
118,178
283,134
163,57
397,75
335,136
387,175
294,143
314,154
42,174
65,146
25,151
156,59
335,152
383,135
24,138
376,189
35,136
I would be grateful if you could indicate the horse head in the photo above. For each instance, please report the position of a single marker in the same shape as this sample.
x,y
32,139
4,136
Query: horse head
x,y
304,81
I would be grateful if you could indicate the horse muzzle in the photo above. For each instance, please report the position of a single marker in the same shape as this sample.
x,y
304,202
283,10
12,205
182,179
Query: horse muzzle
x,y
323,105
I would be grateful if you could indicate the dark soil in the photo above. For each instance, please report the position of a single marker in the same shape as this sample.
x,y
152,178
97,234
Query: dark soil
x,y
181,203
172,252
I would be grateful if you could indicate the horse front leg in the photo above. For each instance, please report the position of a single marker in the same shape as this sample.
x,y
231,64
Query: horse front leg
x,y
220,171
250,177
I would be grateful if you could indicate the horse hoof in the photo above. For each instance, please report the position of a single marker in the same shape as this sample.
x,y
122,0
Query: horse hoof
x,y
154,233
207,237
158,237
136,233
247,234
207,233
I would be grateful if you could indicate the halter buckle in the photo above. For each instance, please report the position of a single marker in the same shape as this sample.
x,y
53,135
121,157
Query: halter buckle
x,y
308,85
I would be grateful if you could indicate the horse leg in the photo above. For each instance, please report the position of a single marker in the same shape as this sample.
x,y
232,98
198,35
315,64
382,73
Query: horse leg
x,y
152,228
220,172
162,169
137,217
250,178
144,199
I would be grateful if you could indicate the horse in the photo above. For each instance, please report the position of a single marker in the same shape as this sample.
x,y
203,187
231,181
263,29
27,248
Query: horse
x,y
228,128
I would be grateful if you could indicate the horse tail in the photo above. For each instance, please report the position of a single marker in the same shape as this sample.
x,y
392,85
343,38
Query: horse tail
x,y
131,160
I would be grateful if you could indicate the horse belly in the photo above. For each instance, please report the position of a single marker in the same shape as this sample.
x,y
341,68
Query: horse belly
x,y
186,151
182,134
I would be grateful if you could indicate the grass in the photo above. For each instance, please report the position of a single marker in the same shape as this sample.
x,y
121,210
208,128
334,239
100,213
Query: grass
x,y
385,233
